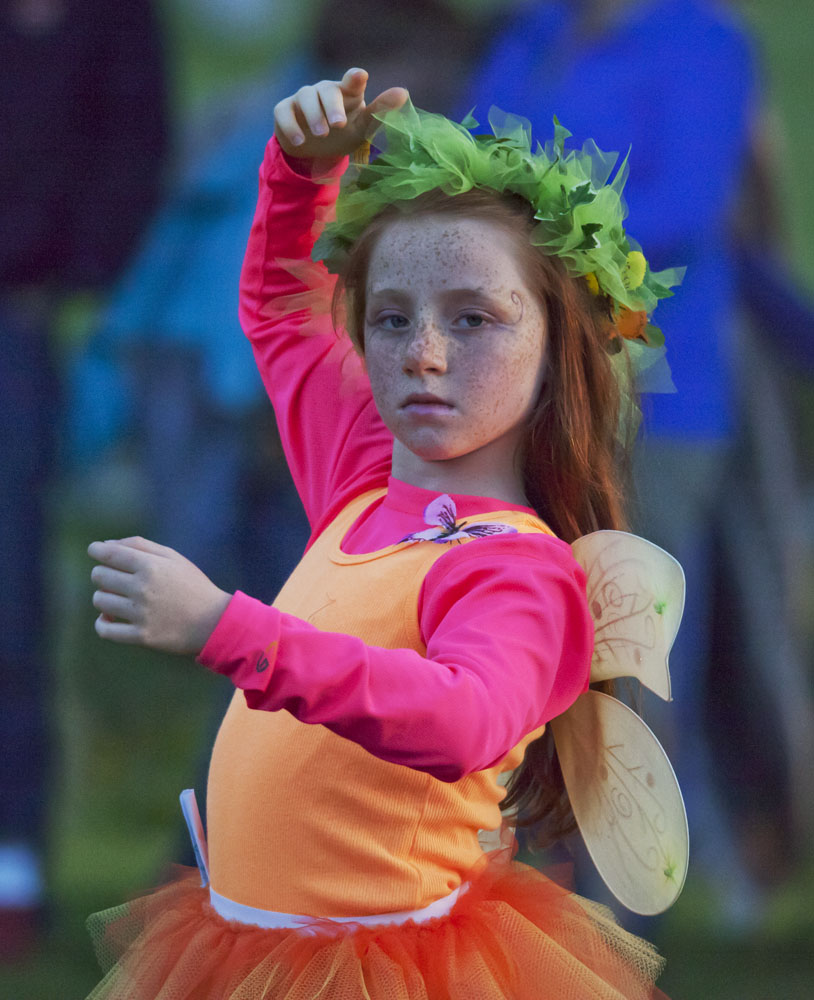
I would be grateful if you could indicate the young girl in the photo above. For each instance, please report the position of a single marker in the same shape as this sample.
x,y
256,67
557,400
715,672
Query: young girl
x,y
435,623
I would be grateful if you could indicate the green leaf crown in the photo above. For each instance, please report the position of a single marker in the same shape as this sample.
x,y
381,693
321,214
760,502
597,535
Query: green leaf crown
x,y
578,208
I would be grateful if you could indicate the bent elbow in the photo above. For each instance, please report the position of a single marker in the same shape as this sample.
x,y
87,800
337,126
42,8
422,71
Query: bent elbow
x,y
449,773
453,767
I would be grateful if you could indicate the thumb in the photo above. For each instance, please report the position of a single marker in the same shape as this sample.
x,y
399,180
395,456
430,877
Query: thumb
x,y
388,100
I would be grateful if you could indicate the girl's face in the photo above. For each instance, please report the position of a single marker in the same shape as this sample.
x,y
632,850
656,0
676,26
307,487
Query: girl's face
x,y
454,340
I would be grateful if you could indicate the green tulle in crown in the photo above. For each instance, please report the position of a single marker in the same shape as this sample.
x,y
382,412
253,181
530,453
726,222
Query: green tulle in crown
x,y
578,207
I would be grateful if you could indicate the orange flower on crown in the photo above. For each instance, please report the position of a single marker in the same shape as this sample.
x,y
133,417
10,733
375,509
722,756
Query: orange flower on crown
x,y
630,324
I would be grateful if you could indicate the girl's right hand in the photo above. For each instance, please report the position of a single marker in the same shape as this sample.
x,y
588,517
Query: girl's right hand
x,y
330,119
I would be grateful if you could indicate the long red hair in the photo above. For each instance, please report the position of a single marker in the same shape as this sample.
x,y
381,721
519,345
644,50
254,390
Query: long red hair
x,y
573,460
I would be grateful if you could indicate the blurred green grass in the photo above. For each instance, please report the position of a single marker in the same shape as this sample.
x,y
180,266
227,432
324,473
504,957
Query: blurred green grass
x,y
130,726
785,35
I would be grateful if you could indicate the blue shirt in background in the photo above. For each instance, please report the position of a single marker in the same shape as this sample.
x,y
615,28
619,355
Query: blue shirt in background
x,y
673,80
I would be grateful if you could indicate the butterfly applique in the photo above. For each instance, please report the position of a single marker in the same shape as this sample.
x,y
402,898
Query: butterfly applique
x,y
441,515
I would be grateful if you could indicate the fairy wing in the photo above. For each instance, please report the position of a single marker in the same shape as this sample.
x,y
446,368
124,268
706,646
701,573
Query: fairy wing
x,y
626,801
623,791
636,598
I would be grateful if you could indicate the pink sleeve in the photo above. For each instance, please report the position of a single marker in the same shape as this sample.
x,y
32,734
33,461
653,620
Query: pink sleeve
x,y
508,643
334,439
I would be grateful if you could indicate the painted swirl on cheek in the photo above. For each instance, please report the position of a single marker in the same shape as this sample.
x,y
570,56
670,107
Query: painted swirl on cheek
x,y
518,301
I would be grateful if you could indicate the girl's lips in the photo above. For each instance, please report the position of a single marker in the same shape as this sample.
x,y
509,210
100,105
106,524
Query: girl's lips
x,y
424,399
425,403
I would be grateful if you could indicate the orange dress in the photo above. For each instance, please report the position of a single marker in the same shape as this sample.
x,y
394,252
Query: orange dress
x,y
304,821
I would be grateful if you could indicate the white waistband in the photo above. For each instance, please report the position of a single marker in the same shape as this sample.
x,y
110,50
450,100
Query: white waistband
x,y
271,919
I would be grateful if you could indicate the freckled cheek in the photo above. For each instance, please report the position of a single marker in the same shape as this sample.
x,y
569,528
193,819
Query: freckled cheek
x,y
383,375
529,365
384,384
503,382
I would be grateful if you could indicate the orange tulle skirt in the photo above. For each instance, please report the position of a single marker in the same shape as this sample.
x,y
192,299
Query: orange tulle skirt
x,y
514,935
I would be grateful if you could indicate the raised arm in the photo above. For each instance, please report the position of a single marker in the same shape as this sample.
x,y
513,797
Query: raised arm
x,y
333,437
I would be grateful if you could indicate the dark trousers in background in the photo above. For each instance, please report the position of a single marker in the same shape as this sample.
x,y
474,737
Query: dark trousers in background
x,y
29,411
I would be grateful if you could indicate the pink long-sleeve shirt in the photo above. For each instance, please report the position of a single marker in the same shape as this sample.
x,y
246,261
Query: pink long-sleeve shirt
x,y
504,618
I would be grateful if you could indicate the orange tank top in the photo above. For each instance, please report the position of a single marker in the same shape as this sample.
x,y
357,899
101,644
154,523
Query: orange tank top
x,y
301,820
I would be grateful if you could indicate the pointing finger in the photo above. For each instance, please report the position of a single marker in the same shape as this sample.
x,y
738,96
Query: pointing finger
x,y
352,87
353,83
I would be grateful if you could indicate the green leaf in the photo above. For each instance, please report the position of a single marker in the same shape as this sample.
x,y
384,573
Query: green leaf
x,y
561,133
581,195
655,338
588,231
469,121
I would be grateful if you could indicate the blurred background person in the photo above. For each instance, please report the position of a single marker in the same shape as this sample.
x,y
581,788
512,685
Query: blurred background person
x,y
82,120
677,79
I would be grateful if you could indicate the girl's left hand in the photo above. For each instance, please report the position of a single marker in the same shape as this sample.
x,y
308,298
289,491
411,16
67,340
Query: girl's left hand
x,y
150,595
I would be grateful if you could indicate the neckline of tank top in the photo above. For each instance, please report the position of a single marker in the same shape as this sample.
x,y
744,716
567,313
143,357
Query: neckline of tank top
x,y
362,503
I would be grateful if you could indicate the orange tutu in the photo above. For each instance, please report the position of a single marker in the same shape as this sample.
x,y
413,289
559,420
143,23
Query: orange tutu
x,y
514,935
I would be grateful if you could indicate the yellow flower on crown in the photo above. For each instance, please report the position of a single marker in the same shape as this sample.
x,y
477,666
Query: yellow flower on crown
x,y
635,270
593,284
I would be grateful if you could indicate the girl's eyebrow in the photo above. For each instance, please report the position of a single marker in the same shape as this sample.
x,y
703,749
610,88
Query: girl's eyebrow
x,y
389,293
478,292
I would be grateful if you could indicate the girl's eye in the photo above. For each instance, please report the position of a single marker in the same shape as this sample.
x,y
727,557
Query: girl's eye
x,y
471,321
393,321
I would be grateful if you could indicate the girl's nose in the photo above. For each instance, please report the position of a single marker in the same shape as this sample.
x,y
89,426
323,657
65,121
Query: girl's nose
x,y
426,351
